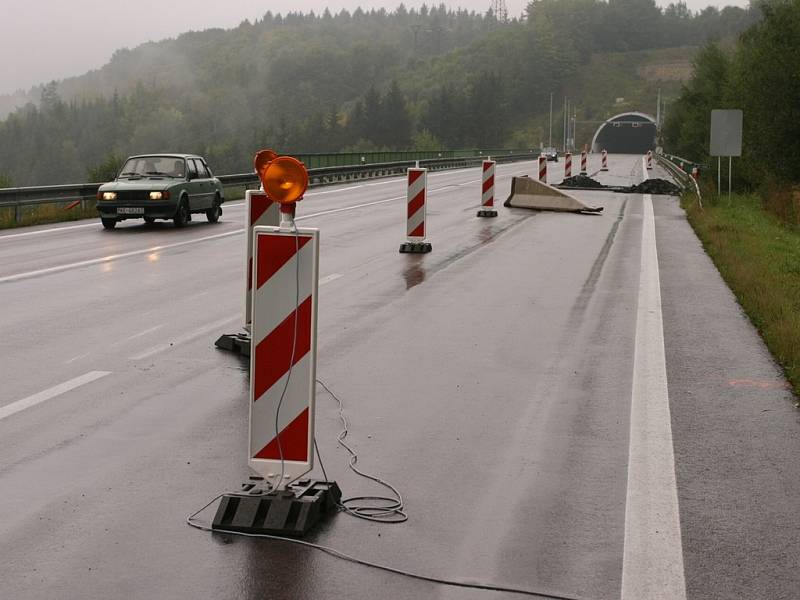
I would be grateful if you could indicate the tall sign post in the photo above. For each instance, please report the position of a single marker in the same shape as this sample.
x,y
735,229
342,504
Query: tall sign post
x,y
726,140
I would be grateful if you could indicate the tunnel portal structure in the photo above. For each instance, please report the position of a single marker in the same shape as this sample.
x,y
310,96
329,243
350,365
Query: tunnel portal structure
x,y
626,133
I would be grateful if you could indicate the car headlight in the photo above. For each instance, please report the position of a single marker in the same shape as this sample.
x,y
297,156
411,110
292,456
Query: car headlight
x,y
109,195
159,195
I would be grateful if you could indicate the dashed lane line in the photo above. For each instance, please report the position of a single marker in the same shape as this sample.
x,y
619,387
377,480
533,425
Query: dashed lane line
x,y
50,393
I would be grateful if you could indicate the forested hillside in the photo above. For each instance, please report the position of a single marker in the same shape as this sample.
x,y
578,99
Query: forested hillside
x,y
760,75
428,78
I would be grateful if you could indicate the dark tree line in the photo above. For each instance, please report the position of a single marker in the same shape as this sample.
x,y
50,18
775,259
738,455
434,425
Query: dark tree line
x,y
428,78
761,76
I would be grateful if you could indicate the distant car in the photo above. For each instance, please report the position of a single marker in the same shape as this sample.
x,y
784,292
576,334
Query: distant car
x,y
161,186
550,154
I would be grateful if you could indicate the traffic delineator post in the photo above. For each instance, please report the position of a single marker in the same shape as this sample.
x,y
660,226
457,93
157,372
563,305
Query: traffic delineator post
x,y
487,190
259,210
604,161
567,165
285,283
583,162
649,160
543,169
416,213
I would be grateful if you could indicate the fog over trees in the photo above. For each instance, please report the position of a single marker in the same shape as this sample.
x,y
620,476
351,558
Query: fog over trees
x,y
427,79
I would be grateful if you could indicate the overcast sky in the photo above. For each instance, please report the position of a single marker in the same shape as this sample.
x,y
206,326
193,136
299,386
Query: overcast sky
x,y
41,40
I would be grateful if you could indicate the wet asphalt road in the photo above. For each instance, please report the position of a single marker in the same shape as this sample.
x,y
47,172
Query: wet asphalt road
x,y
490,381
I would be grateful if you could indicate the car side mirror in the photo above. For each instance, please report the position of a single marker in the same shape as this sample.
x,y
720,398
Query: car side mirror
x,y
189,176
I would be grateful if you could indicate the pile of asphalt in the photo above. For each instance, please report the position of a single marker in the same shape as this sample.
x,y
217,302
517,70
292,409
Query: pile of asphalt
x,y
655,186
581,181
650,186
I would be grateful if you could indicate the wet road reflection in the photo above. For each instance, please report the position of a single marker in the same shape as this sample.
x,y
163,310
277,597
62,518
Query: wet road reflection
x,y
414,274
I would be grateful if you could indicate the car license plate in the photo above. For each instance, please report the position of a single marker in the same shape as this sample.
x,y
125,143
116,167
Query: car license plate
x,y
127,210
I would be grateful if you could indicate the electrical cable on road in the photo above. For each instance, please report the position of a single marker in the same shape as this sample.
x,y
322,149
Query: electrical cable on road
x,y
377,509
381,509
190,520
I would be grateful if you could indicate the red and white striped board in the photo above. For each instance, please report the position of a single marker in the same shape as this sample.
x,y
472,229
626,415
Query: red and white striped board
x,y
583,162
604,161
417,198
650,160
567,165
284,350
487,190
487,187
543,169
260,211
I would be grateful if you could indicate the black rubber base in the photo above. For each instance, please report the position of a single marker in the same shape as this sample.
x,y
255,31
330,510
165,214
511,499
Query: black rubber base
x,y
487,212
415,247
234,342
292,512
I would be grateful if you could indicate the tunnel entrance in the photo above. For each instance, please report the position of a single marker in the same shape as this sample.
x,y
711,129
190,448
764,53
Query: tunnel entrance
x,y
626,133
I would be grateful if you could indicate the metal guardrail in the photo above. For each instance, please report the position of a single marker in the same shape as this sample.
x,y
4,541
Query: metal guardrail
x,y
675,165
19,198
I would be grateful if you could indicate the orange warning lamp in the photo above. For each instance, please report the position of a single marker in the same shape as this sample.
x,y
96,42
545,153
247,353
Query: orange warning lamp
x,y
284,178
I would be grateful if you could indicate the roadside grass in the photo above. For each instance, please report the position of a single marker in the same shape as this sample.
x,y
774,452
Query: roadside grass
x,y
40,214
759,258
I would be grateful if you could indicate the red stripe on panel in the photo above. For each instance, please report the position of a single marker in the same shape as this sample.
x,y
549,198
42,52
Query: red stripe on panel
x,y
274,251
273,354
294,441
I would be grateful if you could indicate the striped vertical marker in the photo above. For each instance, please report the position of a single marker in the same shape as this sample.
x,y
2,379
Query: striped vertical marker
x,y
604,161
487,190
260,211
650,160
283,357
543,169
567,165
583,162
415,212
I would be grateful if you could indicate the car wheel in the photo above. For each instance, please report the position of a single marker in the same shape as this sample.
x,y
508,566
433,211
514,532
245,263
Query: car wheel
x,y
182,214
108,223
215,212
149,220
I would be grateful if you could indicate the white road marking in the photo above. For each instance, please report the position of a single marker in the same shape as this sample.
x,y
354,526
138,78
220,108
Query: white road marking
x,y
346,189
73,359
652,564
138,335
346,208
185,338
329,278
112,257
399,179
51,230
48,394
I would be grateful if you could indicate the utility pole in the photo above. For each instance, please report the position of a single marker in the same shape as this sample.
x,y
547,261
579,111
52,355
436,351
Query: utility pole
x,y
658,111
564,147
550,138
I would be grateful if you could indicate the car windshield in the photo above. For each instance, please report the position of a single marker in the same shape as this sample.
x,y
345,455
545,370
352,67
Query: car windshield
x,y
153,166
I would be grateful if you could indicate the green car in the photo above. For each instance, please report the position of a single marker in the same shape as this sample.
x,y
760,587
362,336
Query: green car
x,y
161,186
